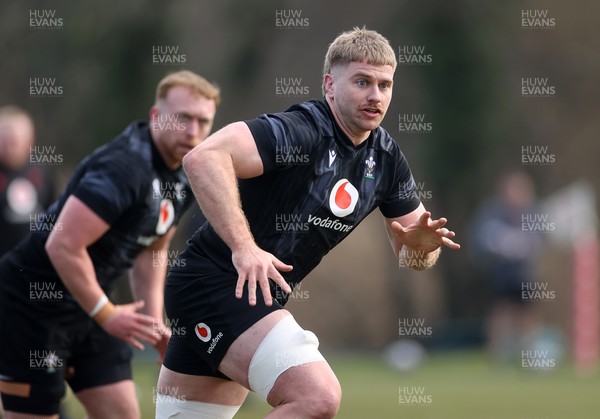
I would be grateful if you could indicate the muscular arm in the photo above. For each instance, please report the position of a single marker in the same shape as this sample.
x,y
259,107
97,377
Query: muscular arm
x,y
416,239
147,280
147,275
76,228
213,168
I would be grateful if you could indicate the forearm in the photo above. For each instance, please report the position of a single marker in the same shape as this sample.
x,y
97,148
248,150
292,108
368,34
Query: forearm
x,y
214,182
418,260
147,281
76,270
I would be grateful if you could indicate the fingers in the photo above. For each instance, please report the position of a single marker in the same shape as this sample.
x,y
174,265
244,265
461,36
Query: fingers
x,y
450,244
132,327
136,305
438,223
252,290
424,218
257,270
239,288
266,292
280,266
135,343
145,333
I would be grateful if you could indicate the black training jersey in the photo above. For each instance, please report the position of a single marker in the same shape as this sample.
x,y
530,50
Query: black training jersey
x,y
316,188
23,192
128,185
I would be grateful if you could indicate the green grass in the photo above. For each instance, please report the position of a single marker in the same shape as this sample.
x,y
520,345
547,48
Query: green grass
x,y
453,386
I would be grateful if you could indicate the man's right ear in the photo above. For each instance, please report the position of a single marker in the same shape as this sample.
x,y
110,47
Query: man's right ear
x,y
328,85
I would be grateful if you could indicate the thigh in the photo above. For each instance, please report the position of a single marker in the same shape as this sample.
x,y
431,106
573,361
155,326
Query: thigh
x,y
202,388
33,357
237,359
202,308
116,400
99,360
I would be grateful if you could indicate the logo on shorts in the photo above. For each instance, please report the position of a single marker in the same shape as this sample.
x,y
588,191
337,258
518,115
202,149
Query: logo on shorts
x,y
203,332
343,198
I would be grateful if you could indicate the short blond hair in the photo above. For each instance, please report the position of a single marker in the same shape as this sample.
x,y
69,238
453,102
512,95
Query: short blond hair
x,y
359,44
196,83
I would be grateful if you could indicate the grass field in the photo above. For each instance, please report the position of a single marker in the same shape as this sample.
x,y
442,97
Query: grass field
x,y
447,386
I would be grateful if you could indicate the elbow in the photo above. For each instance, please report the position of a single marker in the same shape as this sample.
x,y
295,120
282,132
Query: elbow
x,y
52,248
187,161
193,159
56,249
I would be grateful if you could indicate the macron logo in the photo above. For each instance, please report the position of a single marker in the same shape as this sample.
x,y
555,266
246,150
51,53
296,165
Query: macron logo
x,y
332,155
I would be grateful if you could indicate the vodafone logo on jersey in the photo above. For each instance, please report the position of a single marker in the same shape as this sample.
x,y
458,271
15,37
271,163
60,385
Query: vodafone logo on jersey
x,y
343,198
203,332
165,216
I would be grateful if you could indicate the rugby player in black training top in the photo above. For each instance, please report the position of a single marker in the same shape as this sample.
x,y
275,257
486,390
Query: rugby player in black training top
x,y
327,162
118,212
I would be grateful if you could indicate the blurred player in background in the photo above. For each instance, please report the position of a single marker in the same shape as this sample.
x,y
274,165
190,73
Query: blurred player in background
x,y
506,256
25,188
118,212
327,162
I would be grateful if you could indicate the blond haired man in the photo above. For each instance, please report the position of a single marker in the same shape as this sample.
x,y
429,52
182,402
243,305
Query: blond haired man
x,y
329,164
117,213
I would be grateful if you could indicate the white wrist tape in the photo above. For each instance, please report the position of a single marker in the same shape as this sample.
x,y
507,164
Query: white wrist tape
x,y
101,303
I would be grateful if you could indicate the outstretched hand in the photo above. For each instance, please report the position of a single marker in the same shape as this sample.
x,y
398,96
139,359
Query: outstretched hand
x,y
126,323
257,266
425,234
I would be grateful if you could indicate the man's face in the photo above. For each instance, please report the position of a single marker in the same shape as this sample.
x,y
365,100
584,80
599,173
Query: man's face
x,y
359,94
180,122
16,139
